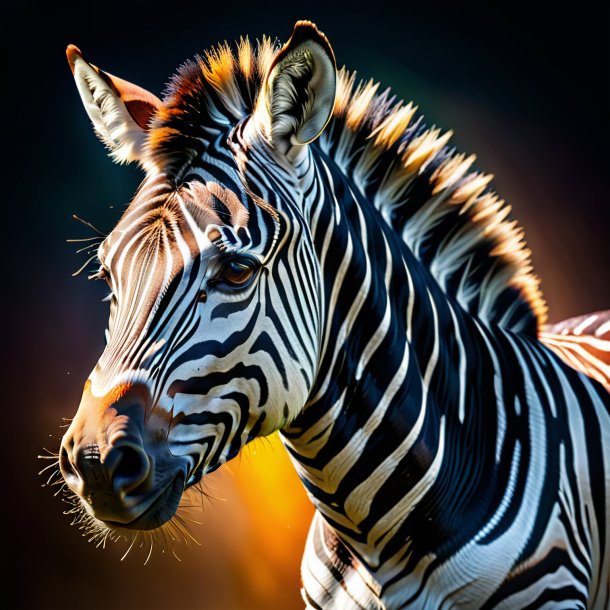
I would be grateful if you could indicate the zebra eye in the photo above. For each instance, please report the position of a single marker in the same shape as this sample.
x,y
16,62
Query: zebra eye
x,y
237,272
101,274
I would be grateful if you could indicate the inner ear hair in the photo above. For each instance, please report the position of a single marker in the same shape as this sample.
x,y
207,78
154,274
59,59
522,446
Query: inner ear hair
x,y
119,110
300,88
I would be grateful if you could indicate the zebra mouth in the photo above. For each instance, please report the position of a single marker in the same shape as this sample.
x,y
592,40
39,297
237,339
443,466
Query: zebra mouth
x,y
161,510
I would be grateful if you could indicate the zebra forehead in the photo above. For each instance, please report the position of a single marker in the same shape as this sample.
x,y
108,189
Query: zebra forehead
x,y
176,215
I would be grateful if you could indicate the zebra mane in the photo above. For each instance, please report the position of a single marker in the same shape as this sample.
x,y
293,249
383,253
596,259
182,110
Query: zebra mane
x,y
427,191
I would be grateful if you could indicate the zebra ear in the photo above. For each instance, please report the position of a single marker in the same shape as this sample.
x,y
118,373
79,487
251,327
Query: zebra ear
x,y
298,95
120,111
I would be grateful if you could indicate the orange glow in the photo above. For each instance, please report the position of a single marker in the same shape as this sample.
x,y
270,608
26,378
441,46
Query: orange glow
x,y
279,511
251,534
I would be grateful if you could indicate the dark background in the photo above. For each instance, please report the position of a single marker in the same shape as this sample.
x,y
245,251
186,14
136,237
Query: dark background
x,y
528,91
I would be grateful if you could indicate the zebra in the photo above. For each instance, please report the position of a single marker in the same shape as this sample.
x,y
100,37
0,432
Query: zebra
x,y
306,255
584,343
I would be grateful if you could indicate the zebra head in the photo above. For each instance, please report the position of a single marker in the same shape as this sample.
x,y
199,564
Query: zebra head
x,y
212,338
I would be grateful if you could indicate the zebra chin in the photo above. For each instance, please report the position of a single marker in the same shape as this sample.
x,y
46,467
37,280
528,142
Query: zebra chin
x,y
115,458
151,513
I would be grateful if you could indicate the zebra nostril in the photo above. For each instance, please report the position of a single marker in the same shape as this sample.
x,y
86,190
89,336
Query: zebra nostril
x,y
67,469
130,468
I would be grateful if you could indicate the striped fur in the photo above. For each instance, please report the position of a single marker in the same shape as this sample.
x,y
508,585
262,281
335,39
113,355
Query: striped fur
x,y
460,230
389,333
584,343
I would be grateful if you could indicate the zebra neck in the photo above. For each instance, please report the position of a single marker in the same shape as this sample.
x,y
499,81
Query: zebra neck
x,y
375,428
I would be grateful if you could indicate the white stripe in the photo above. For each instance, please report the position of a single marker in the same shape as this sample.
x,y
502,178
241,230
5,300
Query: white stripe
x,y
580,327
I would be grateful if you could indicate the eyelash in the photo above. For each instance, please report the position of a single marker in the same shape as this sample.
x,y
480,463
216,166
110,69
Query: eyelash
x,y
101,274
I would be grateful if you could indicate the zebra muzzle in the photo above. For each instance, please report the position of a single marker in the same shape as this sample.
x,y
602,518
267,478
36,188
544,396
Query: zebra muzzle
x,y
103,457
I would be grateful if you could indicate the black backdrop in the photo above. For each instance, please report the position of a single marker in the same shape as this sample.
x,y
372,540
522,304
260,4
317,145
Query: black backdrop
x,y
527,90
